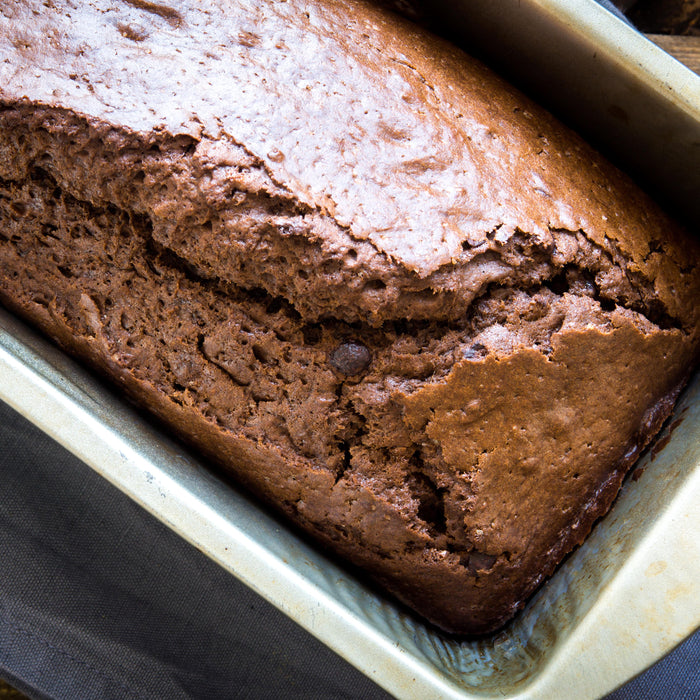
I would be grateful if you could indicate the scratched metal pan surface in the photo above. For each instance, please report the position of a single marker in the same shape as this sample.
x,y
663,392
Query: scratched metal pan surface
x,y
602,77
621,601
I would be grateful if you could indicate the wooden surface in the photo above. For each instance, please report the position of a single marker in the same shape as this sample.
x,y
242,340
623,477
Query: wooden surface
x,y
685,48
8,693
665,16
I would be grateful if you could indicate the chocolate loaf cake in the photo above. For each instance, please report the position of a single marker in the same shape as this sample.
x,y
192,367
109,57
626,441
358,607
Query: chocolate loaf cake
x,y
393,297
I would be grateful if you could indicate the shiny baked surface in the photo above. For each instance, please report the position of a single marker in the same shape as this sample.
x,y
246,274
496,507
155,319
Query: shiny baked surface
x,y
218,234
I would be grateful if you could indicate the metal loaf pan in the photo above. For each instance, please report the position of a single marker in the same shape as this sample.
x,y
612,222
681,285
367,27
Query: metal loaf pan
x,y
623,599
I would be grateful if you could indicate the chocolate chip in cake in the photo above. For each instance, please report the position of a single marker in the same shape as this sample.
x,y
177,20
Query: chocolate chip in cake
x,y
480,561
350,358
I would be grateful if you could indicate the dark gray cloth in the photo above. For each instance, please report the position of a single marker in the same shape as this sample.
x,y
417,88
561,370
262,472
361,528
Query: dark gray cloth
x,y
99,600
676,677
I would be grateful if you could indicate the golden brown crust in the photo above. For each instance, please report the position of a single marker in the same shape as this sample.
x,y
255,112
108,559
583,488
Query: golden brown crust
x,y
484,169
396,299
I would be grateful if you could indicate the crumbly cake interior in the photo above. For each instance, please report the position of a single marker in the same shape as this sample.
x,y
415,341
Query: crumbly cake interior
x,y
234,214
322,391
435,336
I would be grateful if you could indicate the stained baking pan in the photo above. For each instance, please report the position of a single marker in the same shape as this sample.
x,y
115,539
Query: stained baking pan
x,y
623,599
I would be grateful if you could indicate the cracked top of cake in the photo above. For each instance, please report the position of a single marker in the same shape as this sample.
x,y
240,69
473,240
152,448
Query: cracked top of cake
x,y
358,171
391,295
